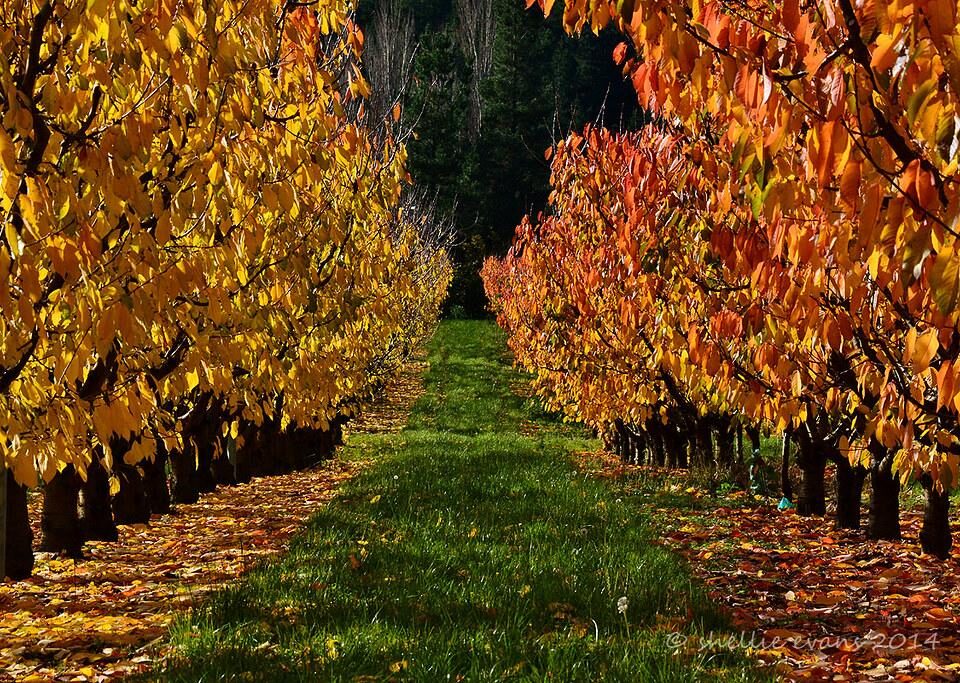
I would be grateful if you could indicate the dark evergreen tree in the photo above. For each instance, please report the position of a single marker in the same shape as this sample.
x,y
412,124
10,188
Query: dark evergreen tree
x,y
489,172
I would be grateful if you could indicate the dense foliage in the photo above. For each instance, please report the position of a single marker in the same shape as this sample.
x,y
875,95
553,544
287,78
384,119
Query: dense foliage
x,y
203,237
777,250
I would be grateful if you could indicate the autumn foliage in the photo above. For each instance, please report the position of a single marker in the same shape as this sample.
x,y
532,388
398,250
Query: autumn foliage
x,y
205,241
777,250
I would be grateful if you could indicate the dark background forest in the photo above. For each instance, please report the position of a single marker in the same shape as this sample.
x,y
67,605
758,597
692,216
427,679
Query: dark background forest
x,y
485,89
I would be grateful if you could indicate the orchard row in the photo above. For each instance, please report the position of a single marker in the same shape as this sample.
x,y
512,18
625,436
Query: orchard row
x,y
776,250
209,254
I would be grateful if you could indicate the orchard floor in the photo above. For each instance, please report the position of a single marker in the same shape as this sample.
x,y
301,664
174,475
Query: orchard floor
x,y
464,535
818,603
106,616
471,549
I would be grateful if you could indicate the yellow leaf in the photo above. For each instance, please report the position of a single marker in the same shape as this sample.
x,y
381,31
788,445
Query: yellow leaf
x,y
927,346
945,280
13,239
176,38
215,174
797,384
162,233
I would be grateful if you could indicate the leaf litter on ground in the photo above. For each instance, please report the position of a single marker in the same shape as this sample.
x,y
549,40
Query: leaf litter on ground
x,y
100,618
817,603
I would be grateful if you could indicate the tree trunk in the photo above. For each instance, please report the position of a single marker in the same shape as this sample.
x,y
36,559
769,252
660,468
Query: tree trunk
x,y
849,489
243,466
271,451
631,449
884,502
618,438
785,484
609,437
740,460
753,433
643,457
155,481
935,538
223,470
206,483
680,444
184,468
726,440
636,448
60,522
130,504
758,479
312,446
96,515
278,455
19,537
663,452
336,430
704,444
813,464
267,455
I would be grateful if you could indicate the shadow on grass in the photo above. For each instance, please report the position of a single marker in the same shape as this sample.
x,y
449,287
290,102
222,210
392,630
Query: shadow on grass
x,y
468,551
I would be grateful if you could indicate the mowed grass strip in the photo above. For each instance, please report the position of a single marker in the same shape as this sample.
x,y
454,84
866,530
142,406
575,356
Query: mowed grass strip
x,y
471,551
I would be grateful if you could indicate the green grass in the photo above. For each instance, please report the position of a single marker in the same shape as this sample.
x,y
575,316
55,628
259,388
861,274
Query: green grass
x,y
468,551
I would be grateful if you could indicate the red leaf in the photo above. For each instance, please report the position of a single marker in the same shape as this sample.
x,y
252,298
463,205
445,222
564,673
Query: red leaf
x,y
620,53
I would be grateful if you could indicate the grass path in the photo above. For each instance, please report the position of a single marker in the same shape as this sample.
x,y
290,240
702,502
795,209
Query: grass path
x,y
472,550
